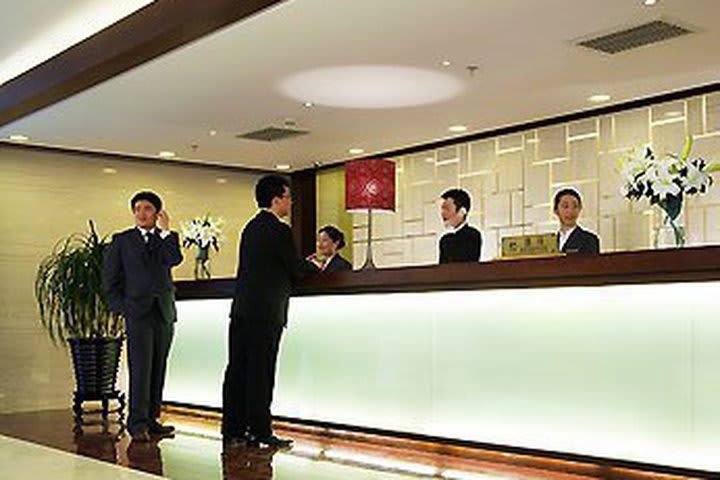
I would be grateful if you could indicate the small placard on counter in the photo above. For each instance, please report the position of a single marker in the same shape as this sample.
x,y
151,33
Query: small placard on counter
x,y
536,245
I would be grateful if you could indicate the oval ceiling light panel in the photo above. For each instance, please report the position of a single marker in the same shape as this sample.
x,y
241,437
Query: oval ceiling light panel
x,y
371,86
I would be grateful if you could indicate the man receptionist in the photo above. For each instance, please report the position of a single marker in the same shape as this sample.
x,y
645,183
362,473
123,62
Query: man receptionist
x,y
462,243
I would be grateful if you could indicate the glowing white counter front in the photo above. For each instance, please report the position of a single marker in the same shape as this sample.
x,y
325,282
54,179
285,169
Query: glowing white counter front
x,y
623,371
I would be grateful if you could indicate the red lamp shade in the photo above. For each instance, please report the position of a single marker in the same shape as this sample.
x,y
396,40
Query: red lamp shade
x,y
370,184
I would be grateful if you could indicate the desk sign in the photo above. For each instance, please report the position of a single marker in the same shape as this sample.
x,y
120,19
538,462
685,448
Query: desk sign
x,y
537,245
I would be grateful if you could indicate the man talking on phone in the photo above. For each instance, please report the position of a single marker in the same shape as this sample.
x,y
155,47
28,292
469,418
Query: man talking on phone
x,y
138,284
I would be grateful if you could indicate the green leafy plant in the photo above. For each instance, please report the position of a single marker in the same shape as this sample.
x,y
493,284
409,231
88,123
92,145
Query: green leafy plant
x,y
68,289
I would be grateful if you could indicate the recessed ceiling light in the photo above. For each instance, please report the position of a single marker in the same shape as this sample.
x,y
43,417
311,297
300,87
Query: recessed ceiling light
x,y
19,138
458,128
109,171
356,151
599,98
446,63
282,166
166,154
649,3
371,86
221,180
213,133
308,104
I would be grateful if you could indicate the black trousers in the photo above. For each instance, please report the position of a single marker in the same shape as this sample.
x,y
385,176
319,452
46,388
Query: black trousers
x,y
148,341
250,378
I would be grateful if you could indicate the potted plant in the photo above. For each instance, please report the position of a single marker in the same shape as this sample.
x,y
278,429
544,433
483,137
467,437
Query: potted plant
x,y
74,311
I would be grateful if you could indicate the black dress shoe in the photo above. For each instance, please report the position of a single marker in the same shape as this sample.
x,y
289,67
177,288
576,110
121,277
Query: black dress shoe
x,y
156,428
270,441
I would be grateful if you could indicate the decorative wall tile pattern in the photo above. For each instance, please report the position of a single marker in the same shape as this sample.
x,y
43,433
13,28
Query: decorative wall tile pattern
x,y
512,180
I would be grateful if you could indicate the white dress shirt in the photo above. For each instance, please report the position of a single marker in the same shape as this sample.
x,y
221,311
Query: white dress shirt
x,y
451,229
144,233
563,236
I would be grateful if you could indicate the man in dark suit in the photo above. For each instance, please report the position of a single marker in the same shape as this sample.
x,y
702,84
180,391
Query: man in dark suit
x,y
463,243
567,206
268,265
139,285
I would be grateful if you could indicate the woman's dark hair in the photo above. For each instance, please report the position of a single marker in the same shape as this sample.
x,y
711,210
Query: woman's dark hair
x,y
566,191
148,197
269,187
335,235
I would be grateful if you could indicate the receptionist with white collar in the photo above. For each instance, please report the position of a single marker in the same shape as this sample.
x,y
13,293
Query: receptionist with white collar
x,y
567,206
462,243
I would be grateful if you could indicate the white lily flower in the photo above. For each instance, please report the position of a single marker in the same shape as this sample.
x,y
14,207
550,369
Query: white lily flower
x,y
636,165
666,186
203,231
697,180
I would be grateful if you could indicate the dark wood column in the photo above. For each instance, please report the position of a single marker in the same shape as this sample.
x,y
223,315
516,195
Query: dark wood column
x,y
304,211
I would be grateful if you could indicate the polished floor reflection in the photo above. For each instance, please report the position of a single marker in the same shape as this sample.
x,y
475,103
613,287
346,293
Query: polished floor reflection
x,y
196,453
26,460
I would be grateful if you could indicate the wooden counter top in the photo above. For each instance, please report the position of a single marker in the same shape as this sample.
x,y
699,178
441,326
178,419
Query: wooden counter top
x,y
647,266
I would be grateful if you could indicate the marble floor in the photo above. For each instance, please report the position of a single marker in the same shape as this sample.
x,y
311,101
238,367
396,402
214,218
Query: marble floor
x,y
43,445
21,459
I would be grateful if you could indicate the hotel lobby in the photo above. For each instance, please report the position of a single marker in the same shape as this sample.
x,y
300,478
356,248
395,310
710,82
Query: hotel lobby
x,y
520,350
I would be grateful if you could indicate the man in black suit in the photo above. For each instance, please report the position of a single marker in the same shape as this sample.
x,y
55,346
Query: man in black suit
x,y
567,206
139,285
268,265
463,243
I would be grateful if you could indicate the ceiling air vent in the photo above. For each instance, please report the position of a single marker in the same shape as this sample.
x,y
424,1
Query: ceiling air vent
x,y
641,35
272,134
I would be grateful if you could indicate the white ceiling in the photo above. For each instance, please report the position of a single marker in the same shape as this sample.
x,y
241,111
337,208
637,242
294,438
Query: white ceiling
x,y
230,81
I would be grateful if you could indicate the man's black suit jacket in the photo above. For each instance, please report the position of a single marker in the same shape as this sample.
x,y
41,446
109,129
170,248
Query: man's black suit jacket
x,y
464,245
137,273
268,266
582,241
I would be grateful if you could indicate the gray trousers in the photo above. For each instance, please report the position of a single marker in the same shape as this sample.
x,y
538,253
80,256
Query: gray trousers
x,y
148,341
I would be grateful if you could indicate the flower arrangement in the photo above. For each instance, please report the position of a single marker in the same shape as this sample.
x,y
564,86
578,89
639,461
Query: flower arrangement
x,y
665,180
203,232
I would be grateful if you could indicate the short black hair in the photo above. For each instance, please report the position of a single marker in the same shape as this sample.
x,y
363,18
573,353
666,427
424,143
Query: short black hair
x,y
335,234
147,196
566,191
460,197
269,187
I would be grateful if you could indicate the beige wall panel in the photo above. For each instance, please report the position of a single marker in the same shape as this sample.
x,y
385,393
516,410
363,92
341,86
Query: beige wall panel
x,y
46,196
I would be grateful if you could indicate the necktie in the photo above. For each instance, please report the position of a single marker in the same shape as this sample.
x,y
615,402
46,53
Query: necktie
x,y
151,240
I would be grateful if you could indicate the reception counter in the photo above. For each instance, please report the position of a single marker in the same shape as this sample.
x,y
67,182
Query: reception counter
x,y
609,357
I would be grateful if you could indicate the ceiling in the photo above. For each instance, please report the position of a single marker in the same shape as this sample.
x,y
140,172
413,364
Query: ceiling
x,y
233,81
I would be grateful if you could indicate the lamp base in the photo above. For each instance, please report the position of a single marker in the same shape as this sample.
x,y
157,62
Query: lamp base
x,y
369,264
